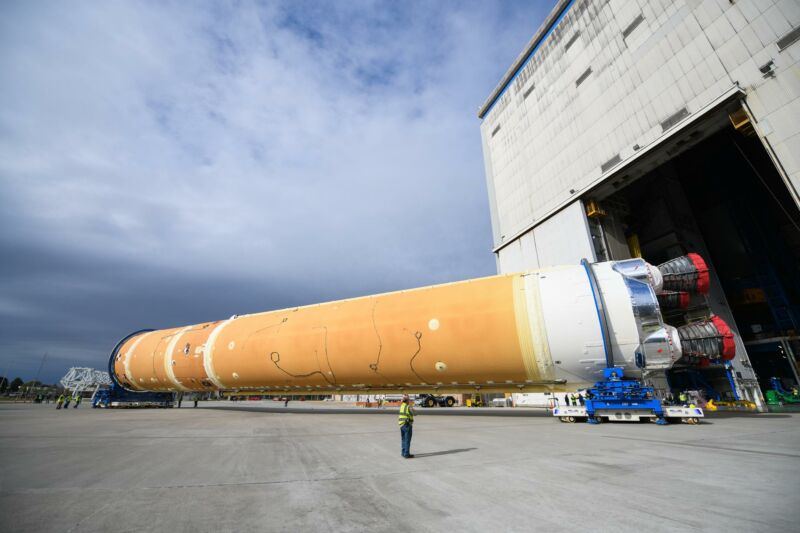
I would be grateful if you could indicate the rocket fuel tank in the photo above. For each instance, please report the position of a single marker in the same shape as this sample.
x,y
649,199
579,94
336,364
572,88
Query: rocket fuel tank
x,y
545,330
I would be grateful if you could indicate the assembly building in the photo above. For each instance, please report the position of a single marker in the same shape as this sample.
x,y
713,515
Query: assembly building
x,y
653,128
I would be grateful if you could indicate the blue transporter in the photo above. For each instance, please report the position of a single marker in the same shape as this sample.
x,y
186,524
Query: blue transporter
x,y
116,396
625,400
615,394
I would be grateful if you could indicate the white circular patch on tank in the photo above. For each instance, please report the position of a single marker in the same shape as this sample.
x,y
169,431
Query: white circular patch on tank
x,y
440,366
433,324
235,375
231,345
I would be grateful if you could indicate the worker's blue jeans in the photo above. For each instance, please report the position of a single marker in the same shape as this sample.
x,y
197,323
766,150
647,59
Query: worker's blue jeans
x,y
405,439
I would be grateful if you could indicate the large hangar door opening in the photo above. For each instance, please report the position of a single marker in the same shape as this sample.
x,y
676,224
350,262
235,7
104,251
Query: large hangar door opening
x,y
724,199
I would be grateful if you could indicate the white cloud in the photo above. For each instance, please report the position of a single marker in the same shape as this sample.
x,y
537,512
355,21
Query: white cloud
x,y
317,144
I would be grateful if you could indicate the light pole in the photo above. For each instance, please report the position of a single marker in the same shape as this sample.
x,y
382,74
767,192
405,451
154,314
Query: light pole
x,y
36,379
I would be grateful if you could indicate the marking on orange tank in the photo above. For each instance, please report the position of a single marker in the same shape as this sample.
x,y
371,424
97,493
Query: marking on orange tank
x,y
275,357
374,366
327,358
418,336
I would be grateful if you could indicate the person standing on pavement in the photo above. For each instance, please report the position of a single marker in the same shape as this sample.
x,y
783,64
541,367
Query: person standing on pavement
x,y
60,401
406,421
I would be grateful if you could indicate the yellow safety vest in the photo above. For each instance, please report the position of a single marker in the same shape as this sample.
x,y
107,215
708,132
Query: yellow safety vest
x,y
405,414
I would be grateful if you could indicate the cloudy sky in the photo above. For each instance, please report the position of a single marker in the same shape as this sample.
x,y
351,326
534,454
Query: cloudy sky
x,y
165,163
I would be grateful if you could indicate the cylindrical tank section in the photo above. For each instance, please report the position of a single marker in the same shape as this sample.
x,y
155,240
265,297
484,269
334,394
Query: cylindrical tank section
x,y
546,330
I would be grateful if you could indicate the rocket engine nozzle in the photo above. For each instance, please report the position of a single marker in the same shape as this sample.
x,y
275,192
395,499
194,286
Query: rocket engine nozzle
x,y
707,339
686,273
673,300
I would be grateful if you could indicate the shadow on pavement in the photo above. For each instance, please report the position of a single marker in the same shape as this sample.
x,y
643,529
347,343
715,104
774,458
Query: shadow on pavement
x,y
509,412
445,452
733,414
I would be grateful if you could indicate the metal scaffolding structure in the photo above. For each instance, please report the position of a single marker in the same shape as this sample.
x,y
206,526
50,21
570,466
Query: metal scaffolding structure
x,y
79,379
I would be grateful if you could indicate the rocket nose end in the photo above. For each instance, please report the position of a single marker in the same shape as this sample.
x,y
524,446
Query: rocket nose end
x,y
116,354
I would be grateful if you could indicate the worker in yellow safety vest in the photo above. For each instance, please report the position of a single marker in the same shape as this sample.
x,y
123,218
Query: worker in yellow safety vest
x,y
406,421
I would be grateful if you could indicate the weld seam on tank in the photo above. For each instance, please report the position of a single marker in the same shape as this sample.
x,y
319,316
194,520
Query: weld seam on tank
x,y
524,334
208,353
169,358
536,325
126,361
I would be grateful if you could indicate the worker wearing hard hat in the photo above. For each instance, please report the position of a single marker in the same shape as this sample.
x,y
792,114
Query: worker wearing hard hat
x,y
406,421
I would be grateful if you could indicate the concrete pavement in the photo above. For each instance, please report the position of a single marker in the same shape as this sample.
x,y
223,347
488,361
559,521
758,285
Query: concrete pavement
x,y
248,468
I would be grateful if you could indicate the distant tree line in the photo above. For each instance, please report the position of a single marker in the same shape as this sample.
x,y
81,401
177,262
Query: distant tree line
x,y
17,385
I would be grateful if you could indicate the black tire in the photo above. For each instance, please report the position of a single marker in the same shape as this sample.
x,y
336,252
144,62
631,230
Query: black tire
x,y
450,401
429,402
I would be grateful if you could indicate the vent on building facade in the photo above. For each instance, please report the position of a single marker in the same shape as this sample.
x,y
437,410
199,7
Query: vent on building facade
x,y
610,163
572,40
583,77
673,119
495,130
785,41
528,91
632,26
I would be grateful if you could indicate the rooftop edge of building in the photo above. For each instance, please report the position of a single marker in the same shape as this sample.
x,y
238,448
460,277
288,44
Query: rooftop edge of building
x,y
552,18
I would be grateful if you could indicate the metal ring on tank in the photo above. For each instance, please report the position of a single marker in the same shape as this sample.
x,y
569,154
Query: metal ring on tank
x,y
600,307
114,352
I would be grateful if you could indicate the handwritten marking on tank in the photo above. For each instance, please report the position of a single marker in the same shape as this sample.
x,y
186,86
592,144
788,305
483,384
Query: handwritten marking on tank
x,y
276,359
327,359
256,332
418,336
374,366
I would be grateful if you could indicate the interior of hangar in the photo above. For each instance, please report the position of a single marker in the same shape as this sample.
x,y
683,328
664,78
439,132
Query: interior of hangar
x,y
712,188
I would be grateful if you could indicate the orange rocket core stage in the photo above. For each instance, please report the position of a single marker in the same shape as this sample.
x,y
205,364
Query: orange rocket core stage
x,y
457,336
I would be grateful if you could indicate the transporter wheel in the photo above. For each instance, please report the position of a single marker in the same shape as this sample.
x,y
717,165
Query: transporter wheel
x,y
450,401
693,420
429,402
598,420
570,419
